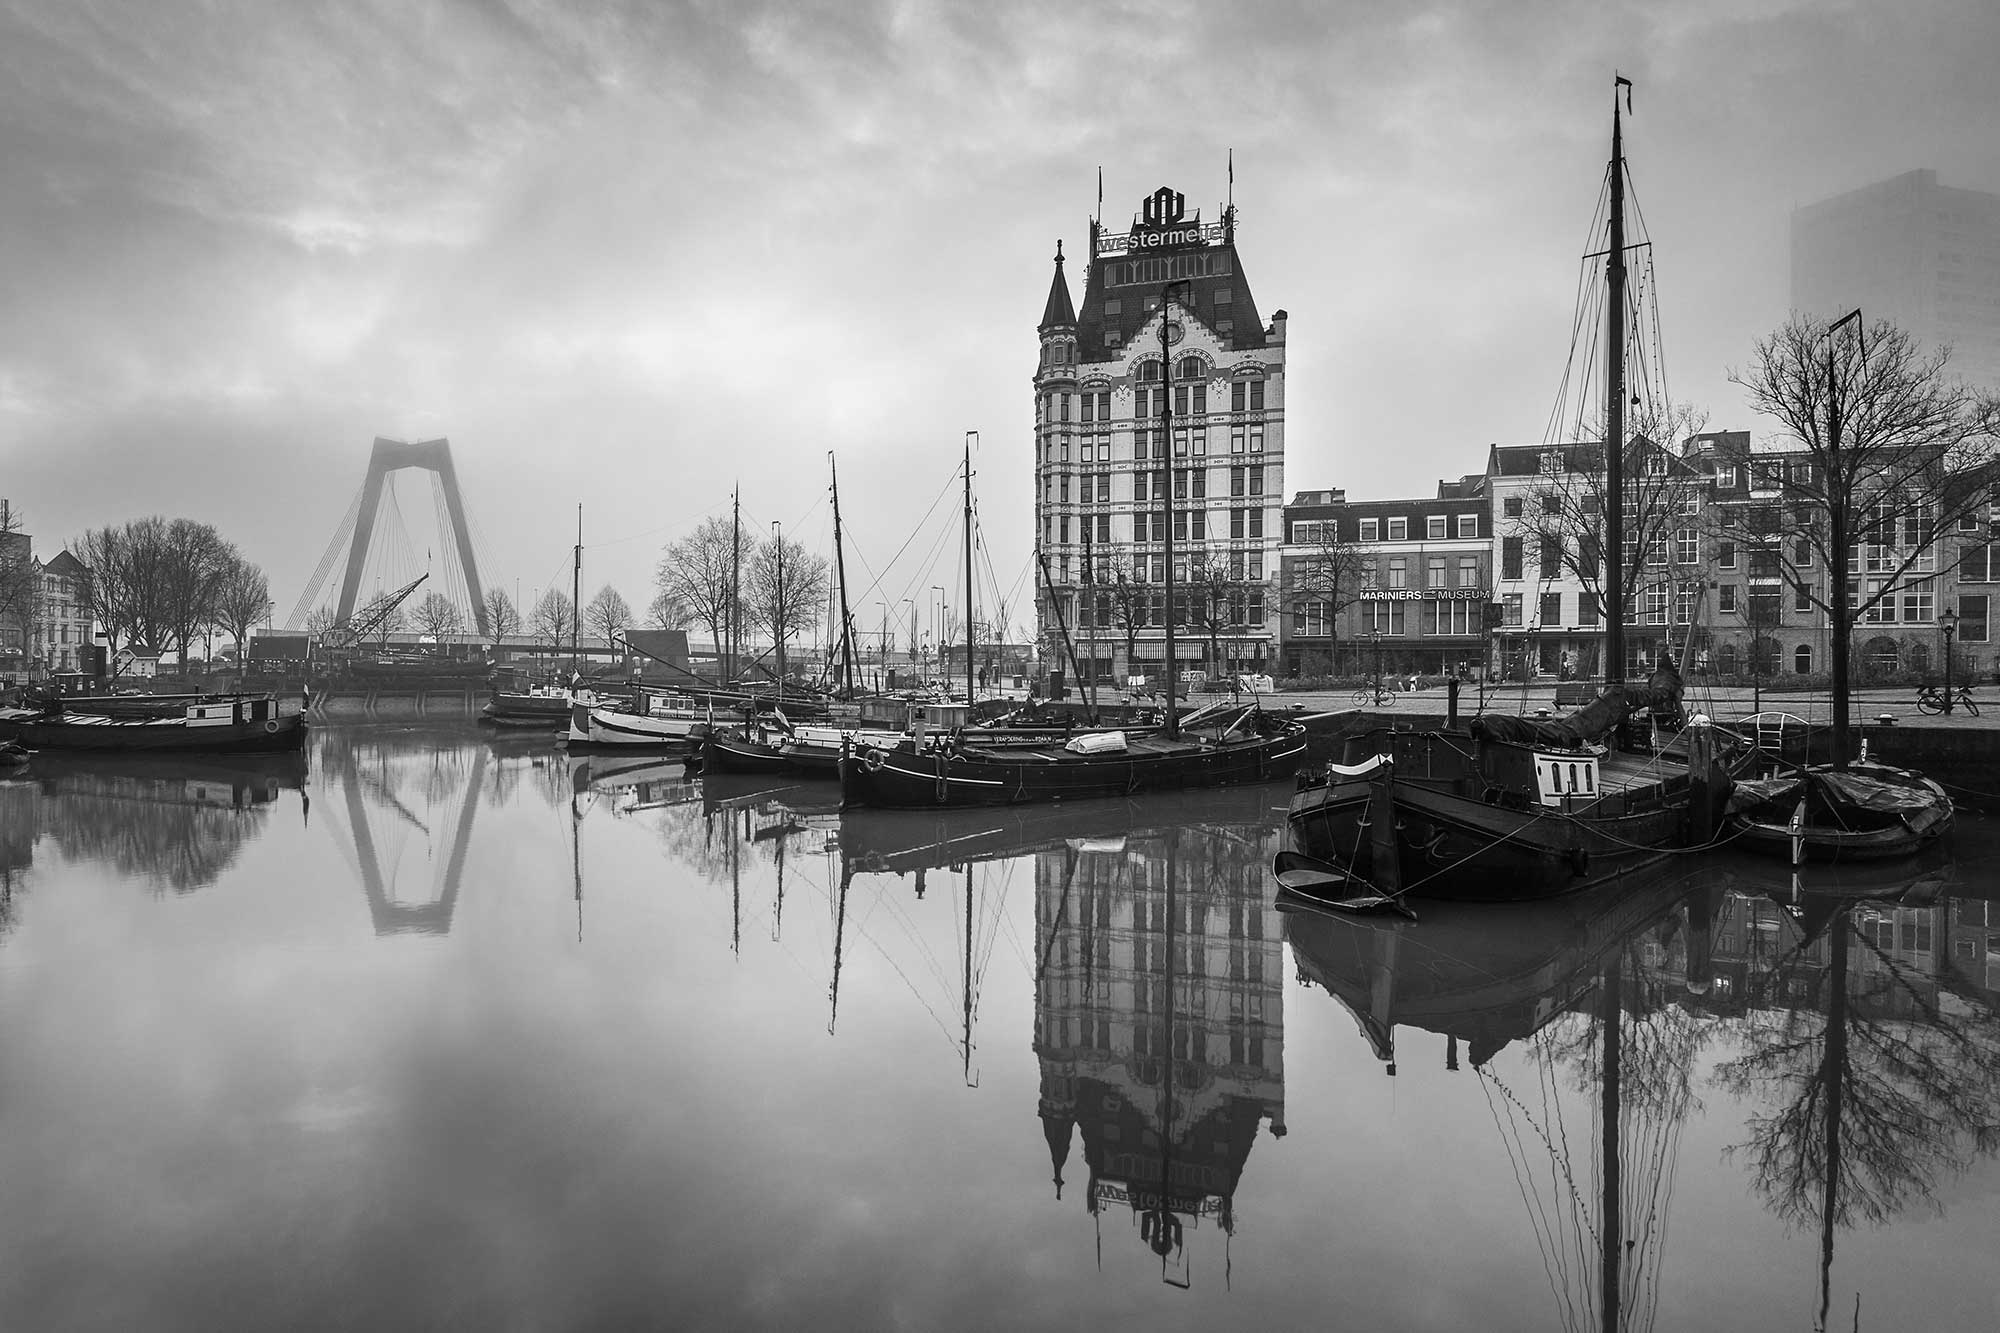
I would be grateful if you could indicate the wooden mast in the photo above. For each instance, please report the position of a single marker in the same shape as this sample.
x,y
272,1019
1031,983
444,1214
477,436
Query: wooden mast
x,y
1614,410
970,437
735,579
1166,454
576,592
840,570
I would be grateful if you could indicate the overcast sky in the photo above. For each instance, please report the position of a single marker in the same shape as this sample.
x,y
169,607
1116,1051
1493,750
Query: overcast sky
x,y
626,256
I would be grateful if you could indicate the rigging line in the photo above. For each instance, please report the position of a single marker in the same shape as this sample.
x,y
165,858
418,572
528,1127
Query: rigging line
x,y
710,512
1531,1200
920,525
342,534
907,924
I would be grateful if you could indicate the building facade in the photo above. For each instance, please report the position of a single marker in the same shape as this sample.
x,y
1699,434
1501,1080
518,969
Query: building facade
x,y
1922,255
62,639
1107,475
1421,578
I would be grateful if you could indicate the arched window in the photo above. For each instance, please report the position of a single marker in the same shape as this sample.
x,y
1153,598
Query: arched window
x,y
1191,368
1802,659
1149,372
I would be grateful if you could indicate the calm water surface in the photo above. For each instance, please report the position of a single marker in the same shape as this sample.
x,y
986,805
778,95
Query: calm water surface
x,y
429,1031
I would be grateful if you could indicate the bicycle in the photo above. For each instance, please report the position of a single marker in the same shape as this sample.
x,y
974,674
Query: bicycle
x,y
1931,700
1367,698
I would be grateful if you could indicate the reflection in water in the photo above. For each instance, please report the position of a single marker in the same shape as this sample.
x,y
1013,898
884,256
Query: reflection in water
x,y
1874,1048
1866,1029
174,822
1159,1020
444,781
1158,997
1595,985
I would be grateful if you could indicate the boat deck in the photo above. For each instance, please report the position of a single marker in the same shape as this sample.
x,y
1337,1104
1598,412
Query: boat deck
x,y
1618,773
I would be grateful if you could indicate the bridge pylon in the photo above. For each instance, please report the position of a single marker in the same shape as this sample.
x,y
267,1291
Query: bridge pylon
x,y
393,456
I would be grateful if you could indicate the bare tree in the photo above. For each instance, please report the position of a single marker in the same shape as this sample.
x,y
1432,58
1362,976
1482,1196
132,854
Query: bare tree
x,y
20,584
502,618
126,585
322,619
668,612
1886,452
243,602
438,615
553,616
1562,514
1214,603
195,562
699,573
607,613
1130,605
1326,570
787,605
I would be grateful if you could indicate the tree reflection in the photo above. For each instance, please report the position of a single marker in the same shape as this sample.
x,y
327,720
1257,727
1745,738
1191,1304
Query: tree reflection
x,y
174,823
1881,1087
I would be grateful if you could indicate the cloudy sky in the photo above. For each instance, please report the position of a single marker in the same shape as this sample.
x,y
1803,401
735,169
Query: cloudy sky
x,y
629,255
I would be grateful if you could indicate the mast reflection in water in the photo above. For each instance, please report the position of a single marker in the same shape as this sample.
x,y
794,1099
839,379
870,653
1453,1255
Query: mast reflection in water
x,y
1005,1068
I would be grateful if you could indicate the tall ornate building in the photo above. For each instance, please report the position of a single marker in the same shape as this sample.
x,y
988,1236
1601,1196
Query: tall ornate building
x,y
1103,462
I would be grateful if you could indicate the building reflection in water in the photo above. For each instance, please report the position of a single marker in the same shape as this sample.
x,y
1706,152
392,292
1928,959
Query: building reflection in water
x,y
1159,1020
1866,1034
175,822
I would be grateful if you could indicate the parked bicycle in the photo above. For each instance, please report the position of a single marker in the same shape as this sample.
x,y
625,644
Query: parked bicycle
x,y
1931,699
1381,696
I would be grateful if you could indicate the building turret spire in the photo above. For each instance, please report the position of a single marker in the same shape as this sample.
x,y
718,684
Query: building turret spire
x,y
1059,313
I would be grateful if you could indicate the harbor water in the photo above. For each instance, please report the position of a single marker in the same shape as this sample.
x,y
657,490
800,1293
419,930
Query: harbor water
x,y
427,1028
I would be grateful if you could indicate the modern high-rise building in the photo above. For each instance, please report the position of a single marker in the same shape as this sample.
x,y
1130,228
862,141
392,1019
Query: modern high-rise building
x,y
1922,255
1103,464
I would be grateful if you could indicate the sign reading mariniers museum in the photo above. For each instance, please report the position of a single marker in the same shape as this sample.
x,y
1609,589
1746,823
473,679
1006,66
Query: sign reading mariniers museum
x,y
1423,594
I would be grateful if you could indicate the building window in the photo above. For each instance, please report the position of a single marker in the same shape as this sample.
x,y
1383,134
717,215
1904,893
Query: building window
x,y
1725,555
1256,523
1511,506
1386,617
1687,547
1684,595
1369,529
1149,372
1802,659
1398,572
1236,392
1551,504
1256,439
1725,599
1550,555
1468,571
1434,527
1801,597
1256,481
1434,572
1468,525
1586,609
1256,395
1236,440
1552,609
1236,480
1510,557
1510,609
1656,604
1802,555
1972,622
1399,529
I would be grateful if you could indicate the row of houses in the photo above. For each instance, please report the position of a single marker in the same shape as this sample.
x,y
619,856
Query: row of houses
x,y
45,617
1501,572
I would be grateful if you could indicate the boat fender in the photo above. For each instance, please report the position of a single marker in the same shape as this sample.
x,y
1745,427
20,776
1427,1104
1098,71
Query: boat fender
x,y
1579,861
271,728
874,759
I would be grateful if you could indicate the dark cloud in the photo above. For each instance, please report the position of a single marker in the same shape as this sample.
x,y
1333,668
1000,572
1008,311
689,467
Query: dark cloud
x,y
681,244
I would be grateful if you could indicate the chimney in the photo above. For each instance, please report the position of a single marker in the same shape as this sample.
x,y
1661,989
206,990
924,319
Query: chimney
x,y
1276,333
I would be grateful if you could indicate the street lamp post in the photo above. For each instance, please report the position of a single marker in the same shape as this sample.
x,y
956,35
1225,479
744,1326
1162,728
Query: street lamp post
x,y
1375,638
1950,622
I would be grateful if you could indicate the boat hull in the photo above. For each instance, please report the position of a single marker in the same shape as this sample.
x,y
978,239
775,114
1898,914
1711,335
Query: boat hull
x,y
905,778
157,735
609,729
733,754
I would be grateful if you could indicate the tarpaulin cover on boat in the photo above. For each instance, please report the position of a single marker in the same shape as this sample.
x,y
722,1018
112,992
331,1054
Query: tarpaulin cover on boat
x,y
1880,790
1589,723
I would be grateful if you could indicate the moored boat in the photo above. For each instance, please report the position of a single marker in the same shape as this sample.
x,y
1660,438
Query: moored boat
x,y
1220,746
247,723
1864,812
